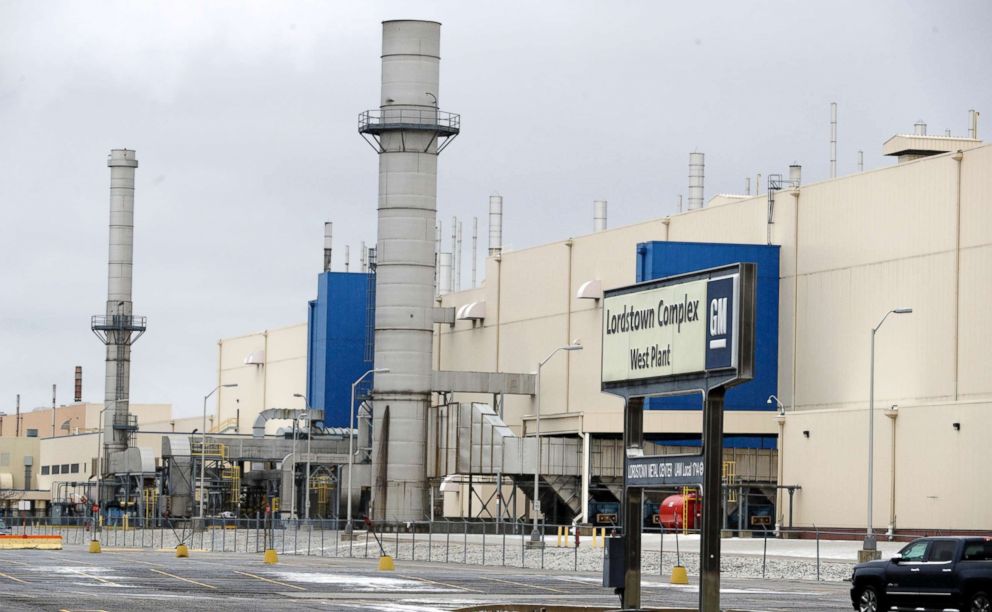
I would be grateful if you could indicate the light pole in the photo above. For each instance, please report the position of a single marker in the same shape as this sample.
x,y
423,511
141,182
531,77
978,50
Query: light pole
x,y
535,535
306,504
778,402
348,529
203,443
869,543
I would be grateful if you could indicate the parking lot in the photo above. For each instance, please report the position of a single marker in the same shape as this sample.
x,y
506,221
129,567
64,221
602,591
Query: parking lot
x,y
154,579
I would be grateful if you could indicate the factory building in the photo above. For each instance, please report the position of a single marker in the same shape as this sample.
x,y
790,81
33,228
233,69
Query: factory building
x,y
478,394
834,257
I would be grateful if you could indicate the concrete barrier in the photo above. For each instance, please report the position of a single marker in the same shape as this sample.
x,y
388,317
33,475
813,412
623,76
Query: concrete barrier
x,y
36,542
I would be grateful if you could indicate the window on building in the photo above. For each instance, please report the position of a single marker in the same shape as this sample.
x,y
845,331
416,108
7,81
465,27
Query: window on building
x,y
44,470
65,468
74,468
32,433
55,469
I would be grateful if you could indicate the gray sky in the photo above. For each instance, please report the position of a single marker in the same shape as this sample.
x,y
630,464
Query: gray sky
x,y
243,115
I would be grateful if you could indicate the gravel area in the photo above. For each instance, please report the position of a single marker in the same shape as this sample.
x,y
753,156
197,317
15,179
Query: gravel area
x,y
498,550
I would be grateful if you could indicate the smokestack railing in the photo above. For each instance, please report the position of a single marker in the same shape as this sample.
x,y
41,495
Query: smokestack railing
x,y
442,123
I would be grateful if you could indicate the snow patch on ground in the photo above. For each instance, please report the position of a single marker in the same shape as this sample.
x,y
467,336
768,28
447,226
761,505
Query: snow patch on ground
x,y
360,583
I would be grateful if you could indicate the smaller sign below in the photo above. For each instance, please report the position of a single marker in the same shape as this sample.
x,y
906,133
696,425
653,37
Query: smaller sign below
x,y
664,470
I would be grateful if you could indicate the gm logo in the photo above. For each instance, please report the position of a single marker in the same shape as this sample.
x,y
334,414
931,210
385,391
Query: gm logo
x,y
718,322
720,329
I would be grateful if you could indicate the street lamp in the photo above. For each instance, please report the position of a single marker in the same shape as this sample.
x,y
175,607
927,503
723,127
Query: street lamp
x,y
203,443
778,402
535,535
869,543
348,529
306,505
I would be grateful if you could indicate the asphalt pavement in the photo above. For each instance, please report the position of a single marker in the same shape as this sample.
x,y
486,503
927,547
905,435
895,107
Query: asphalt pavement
x,y
73,580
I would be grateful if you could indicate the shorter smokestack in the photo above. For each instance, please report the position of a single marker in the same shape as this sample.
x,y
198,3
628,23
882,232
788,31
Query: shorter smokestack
x,y
920,128
696,174
365,258
475,247
833,140
757,184
599,215
973,124
795,175
747,185
347,257
328,241
495,224
861,160
77,395
680,202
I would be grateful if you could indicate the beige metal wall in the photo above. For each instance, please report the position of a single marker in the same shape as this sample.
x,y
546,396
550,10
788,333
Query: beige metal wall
x,y
269,385
852,249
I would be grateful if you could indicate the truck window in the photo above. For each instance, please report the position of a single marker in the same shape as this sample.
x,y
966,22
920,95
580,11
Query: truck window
x,y
978,551
915,550
942,551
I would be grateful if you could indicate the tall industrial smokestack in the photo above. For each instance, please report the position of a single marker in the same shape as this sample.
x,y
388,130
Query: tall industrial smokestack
x,y
328,244
77,395
599,215
833,140
119,328
696,172
495,224
406,131
795,175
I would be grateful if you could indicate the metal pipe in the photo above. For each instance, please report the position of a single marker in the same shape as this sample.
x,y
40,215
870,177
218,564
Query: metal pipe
x,y
861,160
973,124
458,259
696,177
328,243
833,140
475,248
599,215
454,254
495,224
347,257
747,185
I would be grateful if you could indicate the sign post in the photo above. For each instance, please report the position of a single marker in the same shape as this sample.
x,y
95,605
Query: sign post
x,y
677,335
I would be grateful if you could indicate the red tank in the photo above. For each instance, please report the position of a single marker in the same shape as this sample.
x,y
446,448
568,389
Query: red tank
x,y
675,509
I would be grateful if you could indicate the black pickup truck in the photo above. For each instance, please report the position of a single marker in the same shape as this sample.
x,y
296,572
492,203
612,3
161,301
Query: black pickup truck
x,y
929,573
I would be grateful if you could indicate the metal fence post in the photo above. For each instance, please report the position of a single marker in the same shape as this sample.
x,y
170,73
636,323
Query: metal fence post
x,y
465,543
447,541
430,540
504,547
764,552
817,552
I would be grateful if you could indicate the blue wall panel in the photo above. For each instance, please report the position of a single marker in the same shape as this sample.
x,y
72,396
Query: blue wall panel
x,y
336,347
661,259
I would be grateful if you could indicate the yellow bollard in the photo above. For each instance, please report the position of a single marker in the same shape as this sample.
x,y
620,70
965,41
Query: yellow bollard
x,y
270,558
558,541
679,575
386,564
182,551
95,546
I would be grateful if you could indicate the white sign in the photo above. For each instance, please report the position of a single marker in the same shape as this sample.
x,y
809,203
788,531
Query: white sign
x,y
657,332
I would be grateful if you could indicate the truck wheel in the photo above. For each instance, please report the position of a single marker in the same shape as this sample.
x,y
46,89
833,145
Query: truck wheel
x,y
980,602
870,600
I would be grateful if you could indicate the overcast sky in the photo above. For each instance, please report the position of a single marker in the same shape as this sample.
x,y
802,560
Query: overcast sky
x,y
243,115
